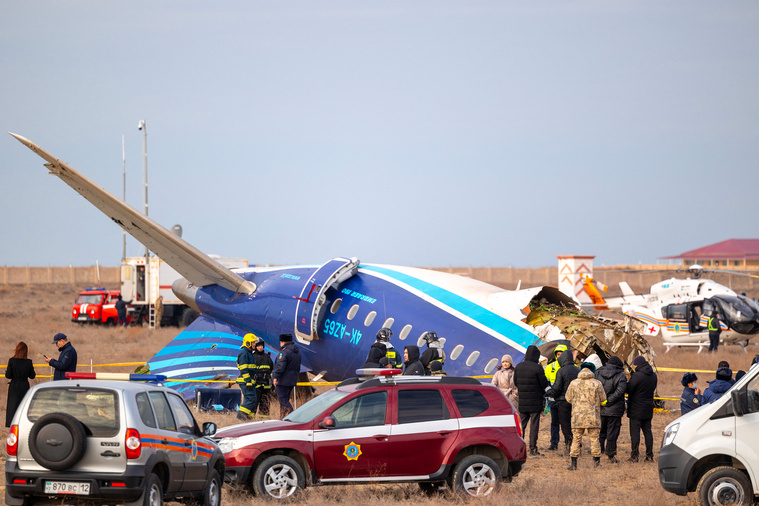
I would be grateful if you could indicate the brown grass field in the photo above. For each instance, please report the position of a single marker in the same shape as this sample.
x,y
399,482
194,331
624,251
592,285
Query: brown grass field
x,y
35,314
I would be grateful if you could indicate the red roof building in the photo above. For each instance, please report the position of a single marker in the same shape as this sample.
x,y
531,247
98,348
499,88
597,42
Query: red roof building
x,y
734,253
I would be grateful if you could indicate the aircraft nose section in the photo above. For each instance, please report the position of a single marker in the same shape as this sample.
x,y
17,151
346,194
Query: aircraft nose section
x,y
185,291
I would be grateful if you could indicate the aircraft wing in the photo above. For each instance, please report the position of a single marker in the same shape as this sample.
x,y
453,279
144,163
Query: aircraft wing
x,y
197,267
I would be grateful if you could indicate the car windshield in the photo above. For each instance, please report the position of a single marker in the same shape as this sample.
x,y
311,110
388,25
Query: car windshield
x,y
90,298
317,405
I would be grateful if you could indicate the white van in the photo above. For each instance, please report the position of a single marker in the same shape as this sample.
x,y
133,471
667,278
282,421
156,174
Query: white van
x,y
714,449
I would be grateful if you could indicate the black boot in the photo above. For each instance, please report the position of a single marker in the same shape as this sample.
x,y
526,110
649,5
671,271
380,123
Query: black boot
x,y
573,464
596,461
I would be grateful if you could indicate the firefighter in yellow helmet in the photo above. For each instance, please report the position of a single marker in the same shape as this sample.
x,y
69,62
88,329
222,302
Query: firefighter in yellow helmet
x,y
246,363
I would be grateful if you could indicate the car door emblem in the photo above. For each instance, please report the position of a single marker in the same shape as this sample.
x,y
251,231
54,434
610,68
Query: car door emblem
x,y
352,451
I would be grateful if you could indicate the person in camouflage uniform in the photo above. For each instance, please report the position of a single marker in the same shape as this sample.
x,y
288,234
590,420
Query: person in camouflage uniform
x,y
586,395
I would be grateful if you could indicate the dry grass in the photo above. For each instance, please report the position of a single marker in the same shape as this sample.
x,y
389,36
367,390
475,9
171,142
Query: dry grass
x,y
35,314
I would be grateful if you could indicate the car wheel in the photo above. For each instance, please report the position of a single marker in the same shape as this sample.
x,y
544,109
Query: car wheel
x,y
278,477
57,441
724,485
476,475
212,493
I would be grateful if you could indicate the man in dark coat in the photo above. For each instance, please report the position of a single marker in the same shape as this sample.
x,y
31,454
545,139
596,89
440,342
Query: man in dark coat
x,y
413,366
719,386
531,383
285,373
564,376
66,359
614,381
640,407
121,311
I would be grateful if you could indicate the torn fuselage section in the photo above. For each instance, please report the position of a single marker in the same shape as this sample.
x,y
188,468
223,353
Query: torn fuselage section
x,y
589,334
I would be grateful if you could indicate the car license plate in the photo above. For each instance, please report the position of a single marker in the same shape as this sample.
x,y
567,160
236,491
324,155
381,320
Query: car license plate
x,y
64,487
82,317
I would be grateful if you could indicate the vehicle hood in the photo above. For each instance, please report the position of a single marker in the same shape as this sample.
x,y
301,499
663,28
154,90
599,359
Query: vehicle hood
x,y
245,429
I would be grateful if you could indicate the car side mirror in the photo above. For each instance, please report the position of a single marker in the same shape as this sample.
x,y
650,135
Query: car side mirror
x,y
209,429
737,401
328,423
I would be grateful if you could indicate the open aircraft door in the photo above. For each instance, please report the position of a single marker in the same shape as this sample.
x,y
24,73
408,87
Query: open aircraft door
x,y
312,296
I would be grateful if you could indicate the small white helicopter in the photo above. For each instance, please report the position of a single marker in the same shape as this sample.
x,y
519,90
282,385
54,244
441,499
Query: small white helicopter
x,y
679,309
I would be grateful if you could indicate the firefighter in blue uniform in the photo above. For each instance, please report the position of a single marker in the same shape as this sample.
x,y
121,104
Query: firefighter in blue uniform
x,y
246,363
262,379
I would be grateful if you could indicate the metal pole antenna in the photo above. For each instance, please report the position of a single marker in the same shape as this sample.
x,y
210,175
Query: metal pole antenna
x,y
143,126
123,164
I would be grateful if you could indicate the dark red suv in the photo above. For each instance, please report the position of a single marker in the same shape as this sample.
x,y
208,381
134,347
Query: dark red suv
x,y
428,429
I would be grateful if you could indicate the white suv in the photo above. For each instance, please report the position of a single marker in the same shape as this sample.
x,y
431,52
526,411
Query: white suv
x,y
112,441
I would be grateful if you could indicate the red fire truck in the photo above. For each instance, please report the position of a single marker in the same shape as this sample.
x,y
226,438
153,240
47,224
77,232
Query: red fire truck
x,y
95,305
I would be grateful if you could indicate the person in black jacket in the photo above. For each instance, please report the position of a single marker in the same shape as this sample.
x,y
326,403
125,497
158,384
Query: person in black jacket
x,y
66,361
531,383
564,376
20,370
640,407
413,366
376,352
285,373
262,379
614,381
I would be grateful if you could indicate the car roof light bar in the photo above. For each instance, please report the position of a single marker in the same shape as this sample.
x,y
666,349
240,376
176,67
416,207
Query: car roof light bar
x,y
117,376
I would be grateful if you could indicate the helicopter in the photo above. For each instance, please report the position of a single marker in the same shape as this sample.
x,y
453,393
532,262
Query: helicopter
x,y
678,310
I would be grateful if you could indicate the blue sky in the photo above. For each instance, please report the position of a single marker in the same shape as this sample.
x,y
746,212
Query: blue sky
x,y
415,133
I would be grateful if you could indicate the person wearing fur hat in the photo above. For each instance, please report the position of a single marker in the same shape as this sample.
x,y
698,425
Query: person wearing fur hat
x,y
285,373
614,381
504,380
691,397
586,395
719,386
640,407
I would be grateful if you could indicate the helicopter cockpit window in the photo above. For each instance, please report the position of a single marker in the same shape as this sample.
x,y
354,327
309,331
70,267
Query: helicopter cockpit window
x,y
677,312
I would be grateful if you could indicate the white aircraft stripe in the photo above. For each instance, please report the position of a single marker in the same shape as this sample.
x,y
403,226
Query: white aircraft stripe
x,y
449,309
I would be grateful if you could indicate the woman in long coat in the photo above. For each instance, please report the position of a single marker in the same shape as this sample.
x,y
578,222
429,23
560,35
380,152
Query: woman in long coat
x,y
20,370
504,380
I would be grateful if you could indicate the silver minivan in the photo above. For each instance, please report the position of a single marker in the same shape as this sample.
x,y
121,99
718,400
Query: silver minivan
x,y
124,441
714,449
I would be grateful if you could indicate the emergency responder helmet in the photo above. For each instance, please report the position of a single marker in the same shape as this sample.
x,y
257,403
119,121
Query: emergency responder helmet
x,y
384,334
247,340
430,336
259,341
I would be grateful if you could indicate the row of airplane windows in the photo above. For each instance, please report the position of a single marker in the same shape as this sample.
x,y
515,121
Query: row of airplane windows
x,y
455,353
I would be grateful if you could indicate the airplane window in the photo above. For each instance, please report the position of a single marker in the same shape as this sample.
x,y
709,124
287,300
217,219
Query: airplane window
x,y
491,365
404,332
352,312
389,323
335,306
472,358
370,318
420,342
457,351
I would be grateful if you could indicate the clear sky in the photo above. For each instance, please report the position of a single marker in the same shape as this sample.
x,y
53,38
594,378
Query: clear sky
x,y
423,133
